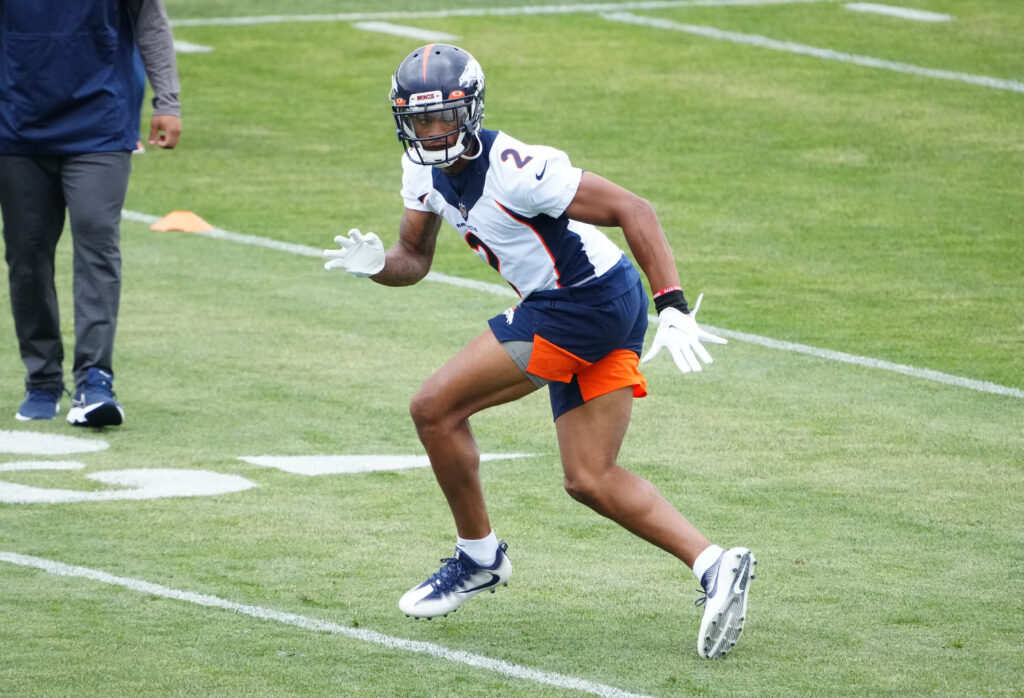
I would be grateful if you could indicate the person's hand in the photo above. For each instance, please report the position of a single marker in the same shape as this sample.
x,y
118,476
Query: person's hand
x,y
682,337
164,130
360,255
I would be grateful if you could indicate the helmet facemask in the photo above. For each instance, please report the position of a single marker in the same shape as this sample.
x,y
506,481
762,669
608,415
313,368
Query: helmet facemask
x,y
462,113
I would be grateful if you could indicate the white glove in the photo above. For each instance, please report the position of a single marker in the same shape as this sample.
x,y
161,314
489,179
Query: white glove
x,y
360,255
680,334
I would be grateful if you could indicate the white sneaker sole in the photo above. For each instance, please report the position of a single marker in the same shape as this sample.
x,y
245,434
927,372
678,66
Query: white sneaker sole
x,y
726,611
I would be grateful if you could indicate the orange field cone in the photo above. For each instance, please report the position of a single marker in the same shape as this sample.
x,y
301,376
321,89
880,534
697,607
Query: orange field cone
x,y
185,221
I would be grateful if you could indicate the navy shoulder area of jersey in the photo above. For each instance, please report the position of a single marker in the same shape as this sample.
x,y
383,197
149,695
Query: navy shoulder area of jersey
x,y
467,186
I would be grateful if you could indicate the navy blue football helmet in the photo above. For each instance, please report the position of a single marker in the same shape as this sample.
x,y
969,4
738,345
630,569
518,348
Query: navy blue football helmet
x,y
438,82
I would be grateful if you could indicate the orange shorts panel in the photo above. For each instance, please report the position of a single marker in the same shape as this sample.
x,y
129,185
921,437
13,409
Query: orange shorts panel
x,y
552,362
619,369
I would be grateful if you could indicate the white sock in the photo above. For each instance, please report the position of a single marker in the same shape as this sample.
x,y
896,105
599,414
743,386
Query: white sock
x,y
483,552
705,560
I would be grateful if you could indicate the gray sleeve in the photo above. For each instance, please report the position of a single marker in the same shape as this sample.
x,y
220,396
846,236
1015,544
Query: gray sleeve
x,y
156,47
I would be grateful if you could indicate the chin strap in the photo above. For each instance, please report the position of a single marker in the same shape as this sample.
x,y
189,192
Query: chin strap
x,y
479,148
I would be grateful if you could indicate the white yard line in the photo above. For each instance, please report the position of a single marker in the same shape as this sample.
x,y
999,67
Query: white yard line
x,y
822,53
900,12
479,12
186,47
407,32
498,666
868,362
313,466
620,12
505,291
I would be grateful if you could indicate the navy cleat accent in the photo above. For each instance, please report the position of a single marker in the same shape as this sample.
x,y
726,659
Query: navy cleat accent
x,y
725,586
39,403
459,579
93,404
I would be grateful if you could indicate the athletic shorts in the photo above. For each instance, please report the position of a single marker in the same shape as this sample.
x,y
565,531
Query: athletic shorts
x,y
582,342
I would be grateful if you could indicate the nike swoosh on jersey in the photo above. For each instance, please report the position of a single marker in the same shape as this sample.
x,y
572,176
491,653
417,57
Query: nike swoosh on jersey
x,y
542,171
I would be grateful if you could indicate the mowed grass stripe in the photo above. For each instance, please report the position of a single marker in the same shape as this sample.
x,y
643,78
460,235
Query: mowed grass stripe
x,y
509,669
589,8
768,342
814,51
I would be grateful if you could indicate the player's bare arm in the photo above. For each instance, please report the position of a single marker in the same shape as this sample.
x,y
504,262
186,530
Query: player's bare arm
x,y
409,259
405,263
599,201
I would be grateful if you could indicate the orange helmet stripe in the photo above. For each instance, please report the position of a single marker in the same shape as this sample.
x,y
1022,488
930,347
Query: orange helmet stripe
x,y
426,57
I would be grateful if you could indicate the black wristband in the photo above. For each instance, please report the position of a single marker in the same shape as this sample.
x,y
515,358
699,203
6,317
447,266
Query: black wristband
x,y
672,299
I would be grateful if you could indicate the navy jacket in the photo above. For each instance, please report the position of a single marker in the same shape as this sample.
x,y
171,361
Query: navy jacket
x,y
67,78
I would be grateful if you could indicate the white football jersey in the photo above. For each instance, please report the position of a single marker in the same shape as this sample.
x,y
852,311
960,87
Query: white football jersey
x,y
509,206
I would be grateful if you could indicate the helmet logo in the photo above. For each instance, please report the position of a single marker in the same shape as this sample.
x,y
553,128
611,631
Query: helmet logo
x,y
455,94
431,97
472,75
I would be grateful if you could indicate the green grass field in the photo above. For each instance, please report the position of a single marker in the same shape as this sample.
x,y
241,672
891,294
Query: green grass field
x,y
822,202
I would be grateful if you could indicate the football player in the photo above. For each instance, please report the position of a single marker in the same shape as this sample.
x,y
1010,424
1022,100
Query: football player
x,y
578,328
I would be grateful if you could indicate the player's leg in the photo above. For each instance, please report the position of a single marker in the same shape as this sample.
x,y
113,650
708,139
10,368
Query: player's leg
x,y
589,437
481,375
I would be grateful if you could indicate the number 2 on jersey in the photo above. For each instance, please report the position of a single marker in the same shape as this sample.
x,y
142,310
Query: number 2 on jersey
x,y
514,154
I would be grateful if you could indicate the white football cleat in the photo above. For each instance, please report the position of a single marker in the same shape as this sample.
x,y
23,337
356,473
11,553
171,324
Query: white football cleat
x,y
726,584
459,579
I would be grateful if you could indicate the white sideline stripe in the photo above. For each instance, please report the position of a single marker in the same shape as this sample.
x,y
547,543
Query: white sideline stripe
x,y
307,251
509,669
901,12
868,362
498,290
186,47
220,234
478,12
336,465
408,32
822,53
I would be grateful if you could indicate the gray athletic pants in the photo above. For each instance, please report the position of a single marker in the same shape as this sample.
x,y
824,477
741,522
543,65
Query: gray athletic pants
x,y
34,194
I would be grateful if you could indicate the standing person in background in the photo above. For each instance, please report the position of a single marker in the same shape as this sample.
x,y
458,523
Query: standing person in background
x,y
69,120
579,329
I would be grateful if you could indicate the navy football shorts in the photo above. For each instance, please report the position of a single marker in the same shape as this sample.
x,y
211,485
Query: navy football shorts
x,y
584,341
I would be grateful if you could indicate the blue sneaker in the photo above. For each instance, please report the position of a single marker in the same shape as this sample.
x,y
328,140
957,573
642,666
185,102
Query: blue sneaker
x,y
39,403
458,580
726,584
93,404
